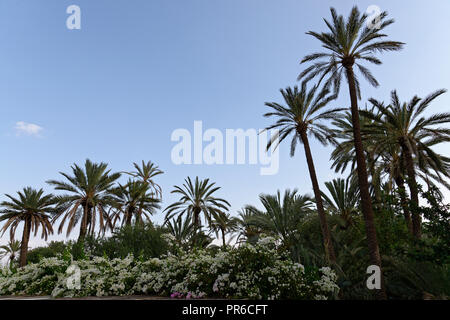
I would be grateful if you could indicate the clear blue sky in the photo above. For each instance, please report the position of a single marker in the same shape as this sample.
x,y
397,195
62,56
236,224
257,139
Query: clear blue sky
x,y
116,89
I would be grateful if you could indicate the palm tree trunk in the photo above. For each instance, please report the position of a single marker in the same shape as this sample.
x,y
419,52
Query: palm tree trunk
x,y
401,186
11,260
24,244
129,216
329,250
83,226
197,219
366,202
223,237
412,183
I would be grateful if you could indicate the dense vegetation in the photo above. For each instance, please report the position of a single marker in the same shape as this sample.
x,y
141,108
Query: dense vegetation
x,y
387,212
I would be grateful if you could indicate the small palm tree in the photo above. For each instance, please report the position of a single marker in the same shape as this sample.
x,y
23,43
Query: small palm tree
x,y
133,199
197,198
10,250
301,117
146,173
33,208
248,231
182,229
281,215
348,44
89,194
344,198
225,224
404,125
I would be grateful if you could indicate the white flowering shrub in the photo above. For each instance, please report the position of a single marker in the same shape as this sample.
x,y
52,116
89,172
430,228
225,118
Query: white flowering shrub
x,y
250,271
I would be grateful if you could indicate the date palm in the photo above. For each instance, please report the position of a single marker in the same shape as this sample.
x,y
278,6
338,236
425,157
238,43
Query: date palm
x,y
301,116
133,200
89,195
224,223
248,231
10,250
348,44
197,198
281,215
404,125
344,198
33,208
181,229
146,173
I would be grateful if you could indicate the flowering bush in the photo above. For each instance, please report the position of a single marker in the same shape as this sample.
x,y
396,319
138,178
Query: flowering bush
x,y
250,271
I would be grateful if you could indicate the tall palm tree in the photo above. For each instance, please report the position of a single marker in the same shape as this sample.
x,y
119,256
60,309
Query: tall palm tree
x,y
89,194
33,208
301,117
281,215
348,43
404,125
344,198
10,250
146,173
197,198
133,199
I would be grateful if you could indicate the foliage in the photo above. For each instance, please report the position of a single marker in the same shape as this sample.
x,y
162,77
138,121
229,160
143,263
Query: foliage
x,y
142,241
258,272
53,249
89,193
10,250
197,198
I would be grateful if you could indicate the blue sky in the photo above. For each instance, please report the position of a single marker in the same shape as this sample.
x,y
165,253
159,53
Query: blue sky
x,y
137,70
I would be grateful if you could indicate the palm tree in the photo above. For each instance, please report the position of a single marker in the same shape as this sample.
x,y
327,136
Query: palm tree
x,y
301,117
133,199
281,216
182,229
385,160
403,124
10,250
195,199
146,173
344,198
89,193
224,223
33,208
348,43
247,230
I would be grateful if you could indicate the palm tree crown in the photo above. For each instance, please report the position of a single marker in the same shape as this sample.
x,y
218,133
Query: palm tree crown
x,y
197,198
403,125
348,43
134,199
89,194
146,173
281,215
10,250
344,198
302,115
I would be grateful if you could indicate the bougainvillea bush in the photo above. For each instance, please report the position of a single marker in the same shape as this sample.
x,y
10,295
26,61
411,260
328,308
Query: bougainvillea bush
x,y
250,271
